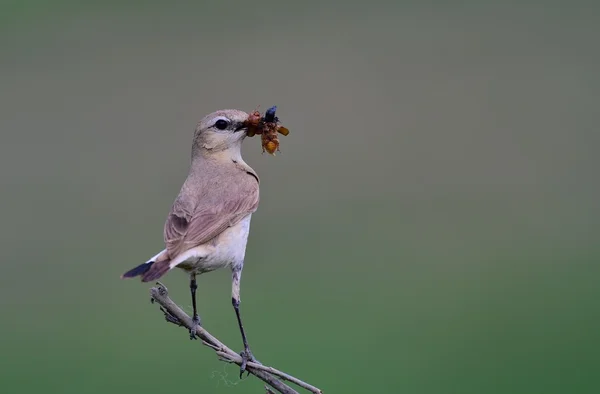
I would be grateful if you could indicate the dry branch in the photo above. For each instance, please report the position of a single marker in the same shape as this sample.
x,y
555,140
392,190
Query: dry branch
x,y
174,314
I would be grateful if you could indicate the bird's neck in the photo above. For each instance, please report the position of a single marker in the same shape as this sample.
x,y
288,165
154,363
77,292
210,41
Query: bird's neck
x,y
205,156
218,162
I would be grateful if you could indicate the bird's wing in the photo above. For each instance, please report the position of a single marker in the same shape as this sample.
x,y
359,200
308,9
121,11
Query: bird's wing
x,y
189,226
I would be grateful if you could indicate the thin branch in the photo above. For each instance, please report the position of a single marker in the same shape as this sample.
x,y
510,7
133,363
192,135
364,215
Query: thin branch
x,y
174,314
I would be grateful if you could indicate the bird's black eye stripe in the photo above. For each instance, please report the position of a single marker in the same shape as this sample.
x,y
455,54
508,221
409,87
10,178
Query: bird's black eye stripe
x,y
221,124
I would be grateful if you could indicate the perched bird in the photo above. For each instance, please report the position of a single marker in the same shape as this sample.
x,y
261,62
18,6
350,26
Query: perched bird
x,y
207,227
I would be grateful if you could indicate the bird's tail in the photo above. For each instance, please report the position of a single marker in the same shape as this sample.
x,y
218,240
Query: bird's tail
x,y
151,269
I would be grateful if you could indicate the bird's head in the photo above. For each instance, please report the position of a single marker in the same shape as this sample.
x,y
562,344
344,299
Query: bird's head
x,y
220,131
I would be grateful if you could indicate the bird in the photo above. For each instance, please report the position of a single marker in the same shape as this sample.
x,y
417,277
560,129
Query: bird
x,y
208,225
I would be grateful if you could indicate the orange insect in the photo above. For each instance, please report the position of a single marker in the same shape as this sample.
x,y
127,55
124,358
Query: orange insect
x,y
253,123
268,127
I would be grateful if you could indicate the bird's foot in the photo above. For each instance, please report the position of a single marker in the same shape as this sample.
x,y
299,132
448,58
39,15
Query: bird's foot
x,y
247,357
196,323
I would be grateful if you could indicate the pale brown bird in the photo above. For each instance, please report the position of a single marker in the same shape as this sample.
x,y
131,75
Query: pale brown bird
x,y
208,225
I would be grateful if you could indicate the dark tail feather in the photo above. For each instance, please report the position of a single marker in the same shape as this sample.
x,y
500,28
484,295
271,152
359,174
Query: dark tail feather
x,y
139,270
157,270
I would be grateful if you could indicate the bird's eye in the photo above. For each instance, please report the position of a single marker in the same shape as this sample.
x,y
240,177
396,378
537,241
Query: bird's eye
x,y
221,124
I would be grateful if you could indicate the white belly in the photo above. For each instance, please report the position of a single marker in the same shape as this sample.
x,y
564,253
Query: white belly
x,y
227,249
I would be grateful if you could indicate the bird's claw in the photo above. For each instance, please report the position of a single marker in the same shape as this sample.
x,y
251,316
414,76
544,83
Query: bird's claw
x,y
195,323
246,356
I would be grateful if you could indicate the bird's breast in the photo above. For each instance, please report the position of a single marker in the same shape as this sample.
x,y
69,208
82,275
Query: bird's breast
x,y
225,250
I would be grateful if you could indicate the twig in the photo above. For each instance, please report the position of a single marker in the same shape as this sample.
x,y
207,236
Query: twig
x,y
174,314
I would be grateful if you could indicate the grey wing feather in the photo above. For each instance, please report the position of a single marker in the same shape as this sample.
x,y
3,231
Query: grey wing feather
x,y
187,227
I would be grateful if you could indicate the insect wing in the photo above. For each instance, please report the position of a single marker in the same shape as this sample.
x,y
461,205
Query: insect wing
x,y
270,114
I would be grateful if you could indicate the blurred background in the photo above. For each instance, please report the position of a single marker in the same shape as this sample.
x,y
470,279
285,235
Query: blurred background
x,y
430,226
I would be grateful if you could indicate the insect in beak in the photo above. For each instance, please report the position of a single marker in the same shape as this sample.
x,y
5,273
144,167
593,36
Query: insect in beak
x,y
268,127
270,115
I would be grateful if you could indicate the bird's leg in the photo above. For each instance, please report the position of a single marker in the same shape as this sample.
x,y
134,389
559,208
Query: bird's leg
x,y
195,318
235,301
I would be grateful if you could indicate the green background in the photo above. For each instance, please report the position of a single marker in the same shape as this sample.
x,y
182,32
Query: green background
x,y
431,226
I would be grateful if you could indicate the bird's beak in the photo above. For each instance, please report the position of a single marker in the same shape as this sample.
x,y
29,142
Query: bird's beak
x,y
241,126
